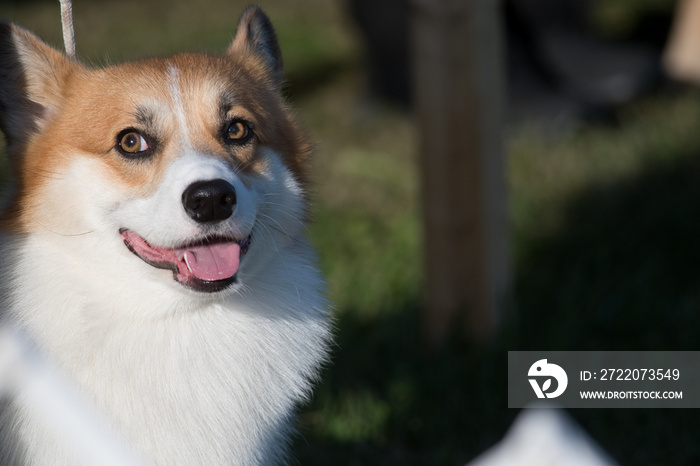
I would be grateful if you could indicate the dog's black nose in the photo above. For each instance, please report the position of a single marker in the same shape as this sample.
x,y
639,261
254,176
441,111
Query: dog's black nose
x,y
209,201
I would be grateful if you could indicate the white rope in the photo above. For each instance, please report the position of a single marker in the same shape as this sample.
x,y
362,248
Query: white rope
x,y
67,23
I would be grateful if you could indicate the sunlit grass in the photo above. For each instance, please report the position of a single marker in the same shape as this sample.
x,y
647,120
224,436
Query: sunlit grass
x,y
547,171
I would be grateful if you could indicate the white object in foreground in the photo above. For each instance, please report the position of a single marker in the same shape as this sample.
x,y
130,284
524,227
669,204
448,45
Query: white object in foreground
x,y
23,371
544,437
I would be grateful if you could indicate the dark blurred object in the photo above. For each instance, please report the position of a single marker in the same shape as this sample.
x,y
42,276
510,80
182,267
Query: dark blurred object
x,y
558,68
385,28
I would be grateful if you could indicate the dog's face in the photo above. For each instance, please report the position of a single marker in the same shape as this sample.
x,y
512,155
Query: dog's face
x,y
192,163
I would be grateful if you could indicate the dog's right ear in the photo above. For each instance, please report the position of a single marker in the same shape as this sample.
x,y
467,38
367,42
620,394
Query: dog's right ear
x,y
32,75
256,35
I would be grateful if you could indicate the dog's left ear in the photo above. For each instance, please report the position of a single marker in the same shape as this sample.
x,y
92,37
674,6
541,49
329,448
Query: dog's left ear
x,y
256,35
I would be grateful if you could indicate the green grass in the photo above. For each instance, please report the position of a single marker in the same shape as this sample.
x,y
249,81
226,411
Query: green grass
x,y
605,227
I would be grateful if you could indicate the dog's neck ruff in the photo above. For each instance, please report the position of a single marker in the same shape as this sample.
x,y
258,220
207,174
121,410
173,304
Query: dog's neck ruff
x,y
226,370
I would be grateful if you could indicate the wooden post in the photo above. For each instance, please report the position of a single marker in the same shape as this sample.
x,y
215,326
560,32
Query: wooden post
x,y
459,95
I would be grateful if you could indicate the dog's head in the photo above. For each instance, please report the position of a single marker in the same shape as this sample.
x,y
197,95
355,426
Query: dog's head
x,y
193,163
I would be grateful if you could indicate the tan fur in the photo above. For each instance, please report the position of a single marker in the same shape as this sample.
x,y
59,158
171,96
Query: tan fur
x,y
82,117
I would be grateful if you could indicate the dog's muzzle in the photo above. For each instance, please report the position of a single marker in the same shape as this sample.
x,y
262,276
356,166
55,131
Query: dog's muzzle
x,y
209,264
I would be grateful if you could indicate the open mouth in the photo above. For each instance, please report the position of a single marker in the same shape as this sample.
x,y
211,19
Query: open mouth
x,y
209,265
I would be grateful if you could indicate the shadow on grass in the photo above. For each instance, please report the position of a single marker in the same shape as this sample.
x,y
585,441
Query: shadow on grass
x,y
385,402
623,273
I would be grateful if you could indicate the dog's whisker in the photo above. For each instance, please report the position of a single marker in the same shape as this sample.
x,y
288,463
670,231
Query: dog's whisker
x,y
280,228
67,235
271,207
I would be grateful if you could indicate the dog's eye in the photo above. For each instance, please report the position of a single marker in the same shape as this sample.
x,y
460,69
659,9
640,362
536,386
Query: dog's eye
x,y
131,142
238,131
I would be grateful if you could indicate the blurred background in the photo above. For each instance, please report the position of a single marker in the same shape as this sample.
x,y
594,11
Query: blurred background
x,y
601,151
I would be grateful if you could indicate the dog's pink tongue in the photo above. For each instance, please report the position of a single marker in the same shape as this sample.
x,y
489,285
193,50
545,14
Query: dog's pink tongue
x,y
212,262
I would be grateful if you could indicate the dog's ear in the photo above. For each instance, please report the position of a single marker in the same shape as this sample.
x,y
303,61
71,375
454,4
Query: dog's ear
x,y
256,35
31,78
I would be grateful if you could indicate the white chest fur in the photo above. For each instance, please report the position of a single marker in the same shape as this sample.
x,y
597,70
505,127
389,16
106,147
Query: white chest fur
x,y
186,380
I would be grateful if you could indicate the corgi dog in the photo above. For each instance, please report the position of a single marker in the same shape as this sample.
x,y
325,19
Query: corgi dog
x,y
153,245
